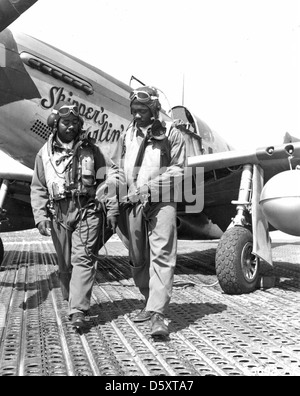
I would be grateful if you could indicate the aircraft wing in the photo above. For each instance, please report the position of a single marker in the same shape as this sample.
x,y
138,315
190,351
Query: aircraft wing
x,y
11,169
15,192
267,157
223,175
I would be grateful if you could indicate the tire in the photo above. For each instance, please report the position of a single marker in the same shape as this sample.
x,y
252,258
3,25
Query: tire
x,y
237,267
1,251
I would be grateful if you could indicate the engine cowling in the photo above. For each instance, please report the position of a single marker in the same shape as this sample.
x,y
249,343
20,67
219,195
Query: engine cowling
x,y
280,202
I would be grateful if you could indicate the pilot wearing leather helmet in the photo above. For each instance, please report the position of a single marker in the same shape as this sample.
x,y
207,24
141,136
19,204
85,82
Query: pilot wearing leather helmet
x,y
64,204
151,157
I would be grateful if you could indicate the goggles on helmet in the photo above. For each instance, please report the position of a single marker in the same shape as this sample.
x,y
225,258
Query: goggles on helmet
x,y
142,96
66,110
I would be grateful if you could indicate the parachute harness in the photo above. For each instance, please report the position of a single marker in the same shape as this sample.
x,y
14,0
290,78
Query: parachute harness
x,y
92,203
74,195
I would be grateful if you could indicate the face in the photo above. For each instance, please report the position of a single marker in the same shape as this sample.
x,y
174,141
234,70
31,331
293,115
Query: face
x,y
68,128
142,115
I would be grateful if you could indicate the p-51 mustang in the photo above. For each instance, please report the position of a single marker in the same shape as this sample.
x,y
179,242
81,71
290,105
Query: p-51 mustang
x,y
35,76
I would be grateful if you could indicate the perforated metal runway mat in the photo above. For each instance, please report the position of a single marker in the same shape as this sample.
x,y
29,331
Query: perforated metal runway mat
x,y
211,334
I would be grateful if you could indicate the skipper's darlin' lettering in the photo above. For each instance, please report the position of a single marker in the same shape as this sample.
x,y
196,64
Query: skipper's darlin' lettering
x,y
105,131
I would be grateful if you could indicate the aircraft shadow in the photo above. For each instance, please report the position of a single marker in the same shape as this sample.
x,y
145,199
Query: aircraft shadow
x,y
180,316
109,269
37,291
287,276
188,314
116,268
197,262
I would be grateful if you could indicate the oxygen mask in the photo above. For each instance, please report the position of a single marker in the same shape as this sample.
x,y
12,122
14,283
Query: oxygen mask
x,y
158,130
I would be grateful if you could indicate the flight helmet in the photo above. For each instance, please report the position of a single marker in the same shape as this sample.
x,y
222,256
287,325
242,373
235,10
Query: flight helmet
x,y
147,96
63,109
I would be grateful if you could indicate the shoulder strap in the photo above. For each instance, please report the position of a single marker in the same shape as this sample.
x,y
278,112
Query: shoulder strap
x,y
139,157
169,125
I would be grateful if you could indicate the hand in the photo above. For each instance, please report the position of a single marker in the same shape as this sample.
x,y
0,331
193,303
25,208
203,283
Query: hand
x,y
112,222
143,193
44,227
133,195
137,194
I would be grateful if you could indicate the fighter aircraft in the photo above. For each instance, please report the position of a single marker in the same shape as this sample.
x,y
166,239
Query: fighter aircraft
x,y
35,76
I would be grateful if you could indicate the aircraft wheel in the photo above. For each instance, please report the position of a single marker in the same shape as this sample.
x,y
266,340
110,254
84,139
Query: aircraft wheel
x,y
237,267
1,251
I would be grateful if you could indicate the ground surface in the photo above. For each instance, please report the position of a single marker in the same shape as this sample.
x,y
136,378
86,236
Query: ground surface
x,y
211,333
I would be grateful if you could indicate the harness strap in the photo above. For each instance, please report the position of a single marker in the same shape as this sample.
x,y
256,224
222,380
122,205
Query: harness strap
x,y
139,157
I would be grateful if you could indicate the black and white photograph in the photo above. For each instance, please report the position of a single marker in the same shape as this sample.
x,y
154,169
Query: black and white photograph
x,y
149,190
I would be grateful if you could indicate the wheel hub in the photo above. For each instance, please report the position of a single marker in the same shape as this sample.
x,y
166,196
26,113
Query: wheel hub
x,y
249,262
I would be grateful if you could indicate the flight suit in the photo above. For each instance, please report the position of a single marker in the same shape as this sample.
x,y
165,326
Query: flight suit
x,y
149,228
78,219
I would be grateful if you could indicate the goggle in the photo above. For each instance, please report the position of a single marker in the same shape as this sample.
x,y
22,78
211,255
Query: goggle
x,y
66,110
142,96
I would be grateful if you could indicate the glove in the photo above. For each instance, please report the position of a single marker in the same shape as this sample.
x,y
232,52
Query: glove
x,y
44,227
143,193
137,194
112,222
132,194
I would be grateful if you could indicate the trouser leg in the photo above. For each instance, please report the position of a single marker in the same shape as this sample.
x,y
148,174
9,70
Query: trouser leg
x,y
152,251
85,244
162,233
123,231
105,233
62,243
139,249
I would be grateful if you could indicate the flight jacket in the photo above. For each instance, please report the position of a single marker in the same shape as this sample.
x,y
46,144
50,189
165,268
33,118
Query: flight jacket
x,y
162,165
40,194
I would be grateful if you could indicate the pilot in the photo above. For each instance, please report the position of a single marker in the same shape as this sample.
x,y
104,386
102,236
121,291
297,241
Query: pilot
x,y
68,170
151,156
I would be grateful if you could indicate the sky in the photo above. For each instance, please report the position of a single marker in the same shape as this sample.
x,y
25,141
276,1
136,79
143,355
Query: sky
x,y
234,63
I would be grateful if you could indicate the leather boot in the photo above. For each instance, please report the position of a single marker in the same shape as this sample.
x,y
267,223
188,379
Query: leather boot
x,y
158,326
142,316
